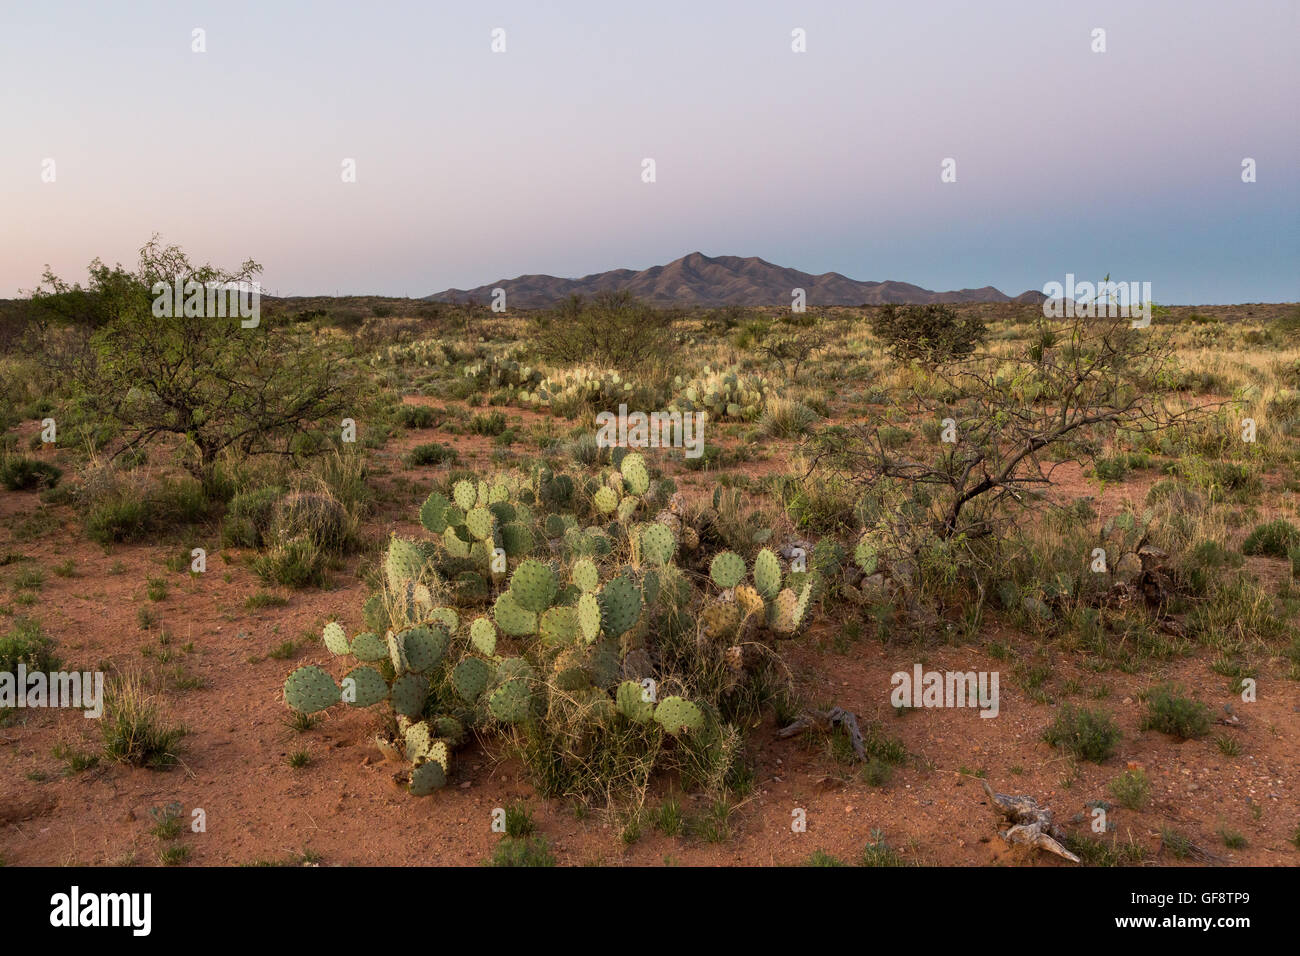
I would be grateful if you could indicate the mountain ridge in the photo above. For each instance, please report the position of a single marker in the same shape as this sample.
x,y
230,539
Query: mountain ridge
x,y
699,280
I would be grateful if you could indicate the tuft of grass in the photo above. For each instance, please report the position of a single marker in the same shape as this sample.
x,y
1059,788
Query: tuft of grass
x,y
27,643
1132,789
822,858
1232,839
136,731
174,855
668,818
519,820
299,759
1087,734
522,851
1273,538
878,852
1228,746
261,599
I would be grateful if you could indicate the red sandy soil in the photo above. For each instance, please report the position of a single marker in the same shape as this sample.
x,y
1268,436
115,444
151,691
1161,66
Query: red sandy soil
x,y
345,808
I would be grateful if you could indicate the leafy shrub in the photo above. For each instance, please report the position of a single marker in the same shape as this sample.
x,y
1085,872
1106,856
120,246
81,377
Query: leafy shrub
x,y
1087,734
431,453
417,416
613,328
26,474
1171,713
1131,788
1274,538
248,517
27,644
929,333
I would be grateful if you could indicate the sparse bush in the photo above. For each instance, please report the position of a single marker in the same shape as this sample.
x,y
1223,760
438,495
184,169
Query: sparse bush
x,y
431,453
27,474
928,333
1132,789
136,731
1169,712
1274,538
27,644
1087,734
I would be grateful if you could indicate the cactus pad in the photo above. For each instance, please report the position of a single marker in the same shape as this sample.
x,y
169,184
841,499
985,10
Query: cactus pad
x,y
677,715
585,575
433,513
409,693
559,626
511,618
369,647
767,574
309,689
423,647
589,616
605,499
620,606
427,777
470,678
510,702
403,563
866,557
465,495
483,636
365,686
336,639
727,569
631,702
635,473
657,544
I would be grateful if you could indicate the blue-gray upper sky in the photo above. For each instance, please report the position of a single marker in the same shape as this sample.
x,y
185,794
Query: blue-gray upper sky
x,y
473,166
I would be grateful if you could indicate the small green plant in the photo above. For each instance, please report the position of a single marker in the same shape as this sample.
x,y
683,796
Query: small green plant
x,y
299,759
522,851
668,818
134,727
28,474
1169,712
174,854
519,820
1087,734
1132,789
167,821
878,852
27,644
156,589
822,858
431,453
1232,839
1274,538
1228,746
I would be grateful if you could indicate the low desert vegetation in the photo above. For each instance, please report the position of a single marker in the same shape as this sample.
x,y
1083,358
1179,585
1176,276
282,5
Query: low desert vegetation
x,y
1073,502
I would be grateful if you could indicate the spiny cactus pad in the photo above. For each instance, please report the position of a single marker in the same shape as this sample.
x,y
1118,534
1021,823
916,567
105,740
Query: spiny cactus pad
x,y
767,573
636,474
309,689
620,606
336,639
465,495
427,777
402,564
364,687
480,523
470,678
423,647
559,626
369,647
657,544
727,569
677,715
585,575
433,513
632,703
510,702
417,739
533,584
866,557
749,600
780,613
511,618
719,620
408,693
589,616
483,635
605,499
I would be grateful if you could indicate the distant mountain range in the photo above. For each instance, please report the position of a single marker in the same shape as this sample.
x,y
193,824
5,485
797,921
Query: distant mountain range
x,y
697,279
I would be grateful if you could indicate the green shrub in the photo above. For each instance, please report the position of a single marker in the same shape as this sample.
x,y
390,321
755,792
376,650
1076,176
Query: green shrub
x,y
417,416
929,333
1171,713
1273,538
248,517
28,644
27,474
522,851
431,453
1087,734
1131,788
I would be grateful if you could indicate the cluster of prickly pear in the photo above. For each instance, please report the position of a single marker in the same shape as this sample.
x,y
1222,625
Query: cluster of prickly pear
x,y
723,394
620,494
482,525
764,603
502,371
426,352
579,385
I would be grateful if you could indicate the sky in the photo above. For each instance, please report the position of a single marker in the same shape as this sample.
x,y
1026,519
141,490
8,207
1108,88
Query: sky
x,y
473,165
